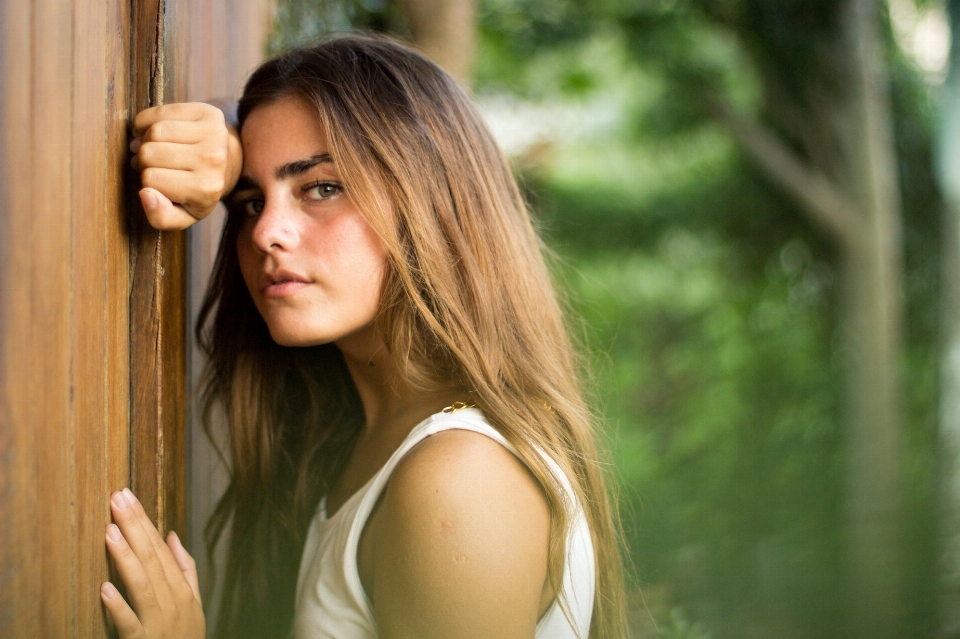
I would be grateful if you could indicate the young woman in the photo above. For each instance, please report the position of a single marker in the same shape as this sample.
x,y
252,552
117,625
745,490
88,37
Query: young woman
x,y
410,452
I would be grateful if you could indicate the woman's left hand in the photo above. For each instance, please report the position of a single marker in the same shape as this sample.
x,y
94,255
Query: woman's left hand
x,y
161,578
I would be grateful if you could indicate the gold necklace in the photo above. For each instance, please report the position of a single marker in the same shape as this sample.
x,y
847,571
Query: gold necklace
x,y
454,407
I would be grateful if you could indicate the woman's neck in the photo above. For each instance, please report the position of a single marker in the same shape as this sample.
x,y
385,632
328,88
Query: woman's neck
x,y
388,400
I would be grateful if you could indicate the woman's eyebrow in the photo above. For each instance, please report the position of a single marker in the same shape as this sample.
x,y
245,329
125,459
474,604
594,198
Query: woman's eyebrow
x,y
245,183
298,167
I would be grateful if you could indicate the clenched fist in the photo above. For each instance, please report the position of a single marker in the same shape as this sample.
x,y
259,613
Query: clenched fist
x,y
188,158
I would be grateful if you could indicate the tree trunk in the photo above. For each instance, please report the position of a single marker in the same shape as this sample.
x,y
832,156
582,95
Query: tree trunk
x,y
873,322
445,30
860,210
949,441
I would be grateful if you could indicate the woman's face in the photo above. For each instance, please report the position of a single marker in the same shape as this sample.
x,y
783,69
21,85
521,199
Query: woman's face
x,y
313,265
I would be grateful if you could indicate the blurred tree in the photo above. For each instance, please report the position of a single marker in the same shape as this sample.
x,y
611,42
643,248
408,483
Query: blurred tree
x,y
949,512
824,133
445,30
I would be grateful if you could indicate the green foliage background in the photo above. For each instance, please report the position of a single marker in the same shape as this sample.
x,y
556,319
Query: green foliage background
x,y
708,301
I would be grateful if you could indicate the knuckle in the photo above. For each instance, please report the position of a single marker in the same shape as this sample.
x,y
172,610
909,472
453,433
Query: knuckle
x,y
214,114
122,552
157,541
184,593
148,176
149,558
147,153
210,187
142,586
214,156
157,130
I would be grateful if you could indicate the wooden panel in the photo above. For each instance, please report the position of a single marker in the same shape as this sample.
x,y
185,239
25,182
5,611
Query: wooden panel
x,y
49,311
38,359
65,327
157,303
100,321
20,575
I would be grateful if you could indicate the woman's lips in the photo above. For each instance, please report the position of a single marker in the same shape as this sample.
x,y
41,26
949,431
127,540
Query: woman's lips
x,y
281,284
283,288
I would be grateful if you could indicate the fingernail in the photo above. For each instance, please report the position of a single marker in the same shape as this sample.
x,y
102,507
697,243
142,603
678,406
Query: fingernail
x,y
120,500
108,590
135,145
130,496
148,198
114,533
177,538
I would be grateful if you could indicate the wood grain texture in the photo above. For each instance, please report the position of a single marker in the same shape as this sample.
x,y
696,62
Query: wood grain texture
x,y
46,231
20,583
157,298
99,315
36,335
63,336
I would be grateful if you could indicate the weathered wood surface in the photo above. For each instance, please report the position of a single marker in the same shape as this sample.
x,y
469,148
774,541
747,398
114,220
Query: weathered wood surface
x,y
92,301
157,293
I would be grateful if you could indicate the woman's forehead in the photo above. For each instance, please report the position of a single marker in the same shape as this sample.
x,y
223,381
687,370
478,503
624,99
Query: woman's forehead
x,y
284,138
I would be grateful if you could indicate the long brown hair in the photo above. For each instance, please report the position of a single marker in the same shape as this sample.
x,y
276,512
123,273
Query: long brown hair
x,y
467,303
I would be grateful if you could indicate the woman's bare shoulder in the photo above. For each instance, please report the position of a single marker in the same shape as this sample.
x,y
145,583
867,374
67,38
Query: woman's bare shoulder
x,y
462,541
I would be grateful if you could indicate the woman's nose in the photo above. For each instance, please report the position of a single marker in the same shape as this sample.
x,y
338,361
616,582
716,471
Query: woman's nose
x,y
276,228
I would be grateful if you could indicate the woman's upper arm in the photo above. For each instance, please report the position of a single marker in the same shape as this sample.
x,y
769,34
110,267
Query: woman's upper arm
x,y
460,542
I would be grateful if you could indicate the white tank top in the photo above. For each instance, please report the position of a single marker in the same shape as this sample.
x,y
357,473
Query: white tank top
x,y
331,602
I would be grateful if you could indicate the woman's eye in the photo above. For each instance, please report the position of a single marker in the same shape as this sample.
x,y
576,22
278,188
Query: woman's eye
x,y
251,207
322,190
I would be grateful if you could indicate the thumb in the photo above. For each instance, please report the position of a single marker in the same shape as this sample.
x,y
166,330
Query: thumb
x,y
163,214
185,561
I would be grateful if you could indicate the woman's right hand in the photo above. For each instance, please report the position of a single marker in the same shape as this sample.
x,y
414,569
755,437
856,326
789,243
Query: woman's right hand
x,y
188,158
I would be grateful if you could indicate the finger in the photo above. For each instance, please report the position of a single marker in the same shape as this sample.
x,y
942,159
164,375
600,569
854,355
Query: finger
x,y
181,131
198,195
122,615
184,157
187,111
171,567
186,562
136,538
140,587
163,214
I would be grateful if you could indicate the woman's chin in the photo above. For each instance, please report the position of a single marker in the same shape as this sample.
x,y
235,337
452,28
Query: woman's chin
x,y
295,338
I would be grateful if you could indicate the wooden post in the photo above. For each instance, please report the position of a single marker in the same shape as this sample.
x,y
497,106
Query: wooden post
x,y
92,301
157,295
